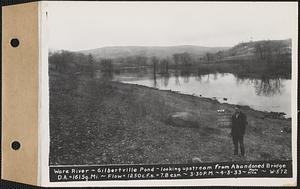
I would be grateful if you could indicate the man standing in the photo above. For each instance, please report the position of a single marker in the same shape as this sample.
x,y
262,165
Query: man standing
x,y
238,127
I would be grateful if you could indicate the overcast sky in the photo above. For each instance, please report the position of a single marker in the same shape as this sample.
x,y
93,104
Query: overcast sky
x,y
87,25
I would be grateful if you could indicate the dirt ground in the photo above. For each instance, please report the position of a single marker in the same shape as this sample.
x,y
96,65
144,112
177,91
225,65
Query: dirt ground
x,y
103,122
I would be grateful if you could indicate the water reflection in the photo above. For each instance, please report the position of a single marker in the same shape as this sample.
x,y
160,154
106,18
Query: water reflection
x,y
177,82
263,86
164,77
268,87
267,94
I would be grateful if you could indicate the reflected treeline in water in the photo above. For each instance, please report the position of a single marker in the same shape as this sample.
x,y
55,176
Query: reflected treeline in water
x,y
155,62
186,74
268,87
263,86
176,74
164,78
160,74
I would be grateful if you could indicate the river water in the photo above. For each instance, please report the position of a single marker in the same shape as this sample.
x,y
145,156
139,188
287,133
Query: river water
x,y
261,94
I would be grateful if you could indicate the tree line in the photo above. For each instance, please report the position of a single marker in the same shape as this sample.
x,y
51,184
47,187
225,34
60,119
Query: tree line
x,y
72,62
272,53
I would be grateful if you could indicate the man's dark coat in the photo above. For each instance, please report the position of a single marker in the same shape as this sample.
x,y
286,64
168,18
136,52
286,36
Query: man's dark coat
x,y
238,124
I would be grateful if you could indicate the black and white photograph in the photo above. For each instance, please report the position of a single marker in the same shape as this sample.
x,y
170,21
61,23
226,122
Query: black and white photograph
x,y
171,83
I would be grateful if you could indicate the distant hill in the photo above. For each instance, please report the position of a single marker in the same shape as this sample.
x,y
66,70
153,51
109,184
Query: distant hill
x,y
148,51
252,48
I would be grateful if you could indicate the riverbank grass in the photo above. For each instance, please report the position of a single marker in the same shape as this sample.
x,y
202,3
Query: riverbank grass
x,y
96,122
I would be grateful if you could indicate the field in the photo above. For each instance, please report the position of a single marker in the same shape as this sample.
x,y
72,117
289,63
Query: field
x,y
105,122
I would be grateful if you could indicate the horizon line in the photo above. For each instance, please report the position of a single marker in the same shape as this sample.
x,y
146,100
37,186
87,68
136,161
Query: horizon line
x,y
207,46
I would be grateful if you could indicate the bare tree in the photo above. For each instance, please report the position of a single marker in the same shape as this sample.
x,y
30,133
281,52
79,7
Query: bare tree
x,y
182,58
209,57
176,58
164,65
219,55
155,62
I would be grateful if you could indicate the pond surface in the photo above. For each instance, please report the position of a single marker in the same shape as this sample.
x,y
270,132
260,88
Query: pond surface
x,y
261,94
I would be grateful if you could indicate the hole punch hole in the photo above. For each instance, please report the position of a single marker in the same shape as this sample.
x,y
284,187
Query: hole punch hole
x,y
14,42
15,145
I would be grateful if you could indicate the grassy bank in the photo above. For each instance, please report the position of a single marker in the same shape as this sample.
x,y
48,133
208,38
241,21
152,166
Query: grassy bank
x,y
102,122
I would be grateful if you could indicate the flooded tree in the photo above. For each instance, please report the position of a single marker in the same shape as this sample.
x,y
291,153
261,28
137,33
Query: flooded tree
x,y
164,66
155,62
176,58
186,60
219,55
183,59
209,57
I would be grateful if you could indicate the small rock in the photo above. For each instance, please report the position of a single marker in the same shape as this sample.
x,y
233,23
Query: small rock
x,y
183,119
